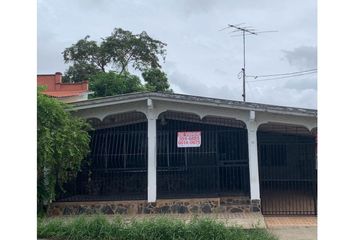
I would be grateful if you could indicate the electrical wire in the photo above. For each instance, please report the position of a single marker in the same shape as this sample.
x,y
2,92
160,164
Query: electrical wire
x,y
284,74
268,79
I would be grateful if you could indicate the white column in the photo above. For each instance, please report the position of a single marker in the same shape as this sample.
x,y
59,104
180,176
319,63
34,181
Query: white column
x,y
253,157
151,116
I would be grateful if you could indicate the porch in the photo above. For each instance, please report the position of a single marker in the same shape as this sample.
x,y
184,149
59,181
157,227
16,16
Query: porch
x,y
248,153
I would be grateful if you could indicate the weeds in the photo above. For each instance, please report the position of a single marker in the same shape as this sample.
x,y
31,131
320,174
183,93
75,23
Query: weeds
x,y
161,228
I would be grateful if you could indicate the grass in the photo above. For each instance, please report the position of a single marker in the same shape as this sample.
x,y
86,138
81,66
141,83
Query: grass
x,y
163,228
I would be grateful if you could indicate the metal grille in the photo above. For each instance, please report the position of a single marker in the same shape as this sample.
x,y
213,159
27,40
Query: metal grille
x,y
219,166
288,175
116,168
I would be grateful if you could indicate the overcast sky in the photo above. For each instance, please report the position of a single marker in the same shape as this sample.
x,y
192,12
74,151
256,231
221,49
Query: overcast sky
x,y
201,60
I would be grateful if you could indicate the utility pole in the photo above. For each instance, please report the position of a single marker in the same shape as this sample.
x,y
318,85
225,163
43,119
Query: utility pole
x,y
245,31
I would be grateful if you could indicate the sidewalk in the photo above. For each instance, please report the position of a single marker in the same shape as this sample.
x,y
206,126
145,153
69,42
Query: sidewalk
x,y
293,228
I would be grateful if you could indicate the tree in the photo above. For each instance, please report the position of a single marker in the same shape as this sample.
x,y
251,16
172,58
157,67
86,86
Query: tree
x,y
108,84
140,50
79,72
62,144
116,52
156,80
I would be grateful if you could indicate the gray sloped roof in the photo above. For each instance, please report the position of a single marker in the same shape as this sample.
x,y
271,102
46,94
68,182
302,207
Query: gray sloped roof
x,y
183,98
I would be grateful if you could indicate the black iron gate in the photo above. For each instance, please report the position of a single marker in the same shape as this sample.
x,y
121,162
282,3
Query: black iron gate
x,y
218,167
288,174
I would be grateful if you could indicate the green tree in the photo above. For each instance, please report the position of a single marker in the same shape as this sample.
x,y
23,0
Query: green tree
x,y
156,80
116,52
62,144
108,84
79,72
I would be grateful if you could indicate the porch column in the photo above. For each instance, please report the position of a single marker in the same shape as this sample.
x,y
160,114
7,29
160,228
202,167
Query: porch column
x,y
151,117
253,156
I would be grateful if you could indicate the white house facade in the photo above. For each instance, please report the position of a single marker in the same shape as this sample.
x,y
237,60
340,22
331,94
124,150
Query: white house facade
x,y
244,147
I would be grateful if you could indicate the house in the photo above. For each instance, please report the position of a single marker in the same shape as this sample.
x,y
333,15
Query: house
x,y
65,92
175,153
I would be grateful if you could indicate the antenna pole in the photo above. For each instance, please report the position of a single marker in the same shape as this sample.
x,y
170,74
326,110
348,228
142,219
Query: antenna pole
x,y
245,31
244,67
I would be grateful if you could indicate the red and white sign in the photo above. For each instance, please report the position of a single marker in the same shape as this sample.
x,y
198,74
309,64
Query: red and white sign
x,y
189,139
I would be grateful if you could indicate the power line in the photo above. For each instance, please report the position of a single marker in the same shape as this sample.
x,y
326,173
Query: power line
x,y
268,79
282,74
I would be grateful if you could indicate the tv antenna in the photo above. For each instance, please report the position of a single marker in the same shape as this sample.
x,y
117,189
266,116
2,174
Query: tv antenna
x,y
245,31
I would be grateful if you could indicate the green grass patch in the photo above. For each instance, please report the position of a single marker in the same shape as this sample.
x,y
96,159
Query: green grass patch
x,y
163,228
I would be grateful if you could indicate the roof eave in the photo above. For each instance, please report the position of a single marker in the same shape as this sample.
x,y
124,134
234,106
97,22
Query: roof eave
x,y
99,102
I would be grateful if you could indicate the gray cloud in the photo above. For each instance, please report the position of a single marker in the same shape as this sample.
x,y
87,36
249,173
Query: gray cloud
x,y
303,57
197,6
291,94
188,85
302,83
201,59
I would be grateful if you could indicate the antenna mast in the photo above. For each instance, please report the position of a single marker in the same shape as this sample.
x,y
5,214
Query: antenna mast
x,y
245,31
244,66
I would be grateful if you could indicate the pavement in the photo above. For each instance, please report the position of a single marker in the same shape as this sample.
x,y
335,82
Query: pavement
x,y
290,221
295,233
292,228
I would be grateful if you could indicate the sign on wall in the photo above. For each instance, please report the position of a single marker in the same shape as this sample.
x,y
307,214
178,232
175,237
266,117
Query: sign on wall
x,y
189,139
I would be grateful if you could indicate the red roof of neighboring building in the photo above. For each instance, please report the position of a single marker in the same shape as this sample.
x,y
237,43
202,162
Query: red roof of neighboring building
x,y
56,88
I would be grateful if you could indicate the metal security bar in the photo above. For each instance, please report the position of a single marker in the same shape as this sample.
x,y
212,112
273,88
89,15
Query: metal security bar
x,y
116,168
288,174
218,167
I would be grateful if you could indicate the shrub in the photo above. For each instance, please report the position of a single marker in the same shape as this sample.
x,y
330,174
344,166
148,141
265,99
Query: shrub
x,y
62,144
164,228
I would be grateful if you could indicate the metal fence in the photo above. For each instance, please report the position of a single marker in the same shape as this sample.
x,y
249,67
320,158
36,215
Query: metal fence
x,y
288,174
219,166
116,167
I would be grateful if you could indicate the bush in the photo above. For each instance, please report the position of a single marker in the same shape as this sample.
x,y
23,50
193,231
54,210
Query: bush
x,y
62,144
98,227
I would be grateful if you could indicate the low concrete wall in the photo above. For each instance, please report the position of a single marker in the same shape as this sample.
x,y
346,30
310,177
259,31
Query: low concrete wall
x,y
176,206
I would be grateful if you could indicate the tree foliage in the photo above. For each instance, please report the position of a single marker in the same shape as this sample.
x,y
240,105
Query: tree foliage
x,y
116,52
108,84
156,80
62,144
79,72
